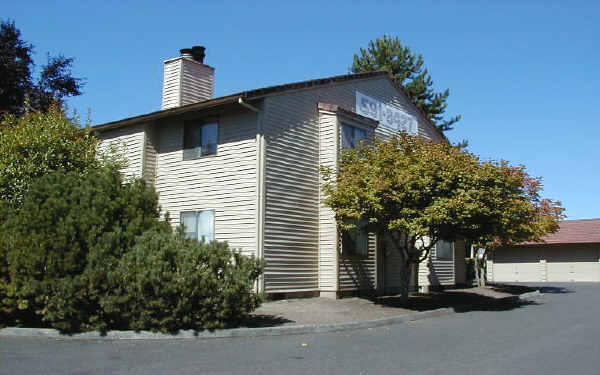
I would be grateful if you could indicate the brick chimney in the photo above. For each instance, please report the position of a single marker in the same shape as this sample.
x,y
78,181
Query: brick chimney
x,y
187,79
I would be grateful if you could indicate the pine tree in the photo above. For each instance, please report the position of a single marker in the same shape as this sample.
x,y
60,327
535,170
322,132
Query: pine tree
x,y
388,53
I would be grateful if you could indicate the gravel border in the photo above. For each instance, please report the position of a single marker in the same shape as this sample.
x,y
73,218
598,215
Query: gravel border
x,y
249,332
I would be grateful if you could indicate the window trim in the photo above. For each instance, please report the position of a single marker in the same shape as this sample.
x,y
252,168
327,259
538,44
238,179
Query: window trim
x,y
198,212
200,123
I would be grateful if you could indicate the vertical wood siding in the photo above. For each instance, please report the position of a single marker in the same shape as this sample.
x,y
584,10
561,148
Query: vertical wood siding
x,y
225,182
129,143
328,250
291,125
171,94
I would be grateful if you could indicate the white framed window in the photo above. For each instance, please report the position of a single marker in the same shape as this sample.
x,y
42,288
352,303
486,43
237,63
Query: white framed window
x,y
444,250
199,139
352,135
356,241
199,225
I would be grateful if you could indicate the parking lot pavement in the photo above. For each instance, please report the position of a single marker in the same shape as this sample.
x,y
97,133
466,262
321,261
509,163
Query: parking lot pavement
x,y
557,335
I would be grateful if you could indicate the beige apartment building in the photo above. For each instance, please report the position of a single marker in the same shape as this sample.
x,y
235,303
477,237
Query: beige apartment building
x,y
244,168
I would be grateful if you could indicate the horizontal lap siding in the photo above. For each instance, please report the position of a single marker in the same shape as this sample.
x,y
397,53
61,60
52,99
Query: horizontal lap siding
x,y
129,143
292,189
149,167
197,82
392,264
291,125
171,96
437,272
225,182
359,273
441,272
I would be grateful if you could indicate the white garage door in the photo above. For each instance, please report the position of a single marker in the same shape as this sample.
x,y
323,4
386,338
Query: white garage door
x,y
572,264
521,264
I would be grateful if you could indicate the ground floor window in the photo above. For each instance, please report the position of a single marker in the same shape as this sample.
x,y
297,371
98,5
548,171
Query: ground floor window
x,y
355,241
199,225
444,250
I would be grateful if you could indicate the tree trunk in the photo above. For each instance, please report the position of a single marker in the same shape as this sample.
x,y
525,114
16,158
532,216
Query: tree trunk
x,y
415,278
480,269
476,269
405,276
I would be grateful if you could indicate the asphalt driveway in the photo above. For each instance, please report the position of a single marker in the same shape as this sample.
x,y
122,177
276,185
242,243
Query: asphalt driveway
x,y
558,335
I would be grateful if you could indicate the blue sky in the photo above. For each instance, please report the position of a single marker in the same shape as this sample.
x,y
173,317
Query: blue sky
x,y
525,75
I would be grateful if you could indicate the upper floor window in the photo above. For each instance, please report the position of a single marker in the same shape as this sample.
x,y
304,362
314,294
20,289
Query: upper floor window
x,y
444,250
355,241
352,135
199,225
200,139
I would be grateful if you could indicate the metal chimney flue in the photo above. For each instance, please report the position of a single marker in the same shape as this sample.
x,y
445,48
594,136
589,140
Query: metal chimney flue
x,y
186,52
197,53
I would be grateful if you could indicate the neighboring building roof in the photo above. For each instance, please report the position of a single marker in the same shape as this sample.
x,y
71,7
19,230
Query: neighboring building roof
x,y
256,94
573,231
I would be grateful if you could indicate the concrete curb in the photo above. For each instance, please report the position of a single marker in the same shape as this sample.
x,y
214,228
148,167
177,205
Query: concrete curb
x,y
250,332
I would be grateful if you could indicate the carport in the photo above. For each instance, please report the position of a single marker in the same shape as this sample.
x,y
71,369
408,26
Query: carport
x,y
571,254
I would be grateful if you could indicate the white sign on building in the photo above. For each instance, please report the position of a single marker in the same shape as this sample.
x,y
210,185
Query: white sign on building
x,y
387,115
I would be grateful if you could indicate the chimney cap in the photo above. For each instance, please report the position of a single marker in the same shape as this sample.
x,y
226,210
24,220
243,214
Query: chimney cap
x,y
196,53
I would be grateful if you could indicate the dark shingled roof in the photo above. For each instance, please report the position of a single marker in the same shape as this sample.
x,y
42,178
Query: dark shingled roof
x,y
257,94
573,231
244,95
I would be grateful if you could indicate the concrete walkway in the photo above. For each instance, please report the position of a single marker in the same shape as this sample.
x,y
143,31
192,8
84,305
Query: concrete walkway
x,y
352,309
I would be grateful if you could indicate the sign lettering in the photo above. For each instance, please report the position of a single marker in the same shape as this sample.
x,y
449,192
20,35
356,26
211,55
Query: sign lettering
x,y
388,116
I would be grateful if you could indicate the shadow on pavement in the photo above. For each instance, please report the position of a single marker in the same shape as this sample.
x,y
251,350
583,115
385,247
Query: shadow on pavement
x,y
459,301
554,290
258,321
520,289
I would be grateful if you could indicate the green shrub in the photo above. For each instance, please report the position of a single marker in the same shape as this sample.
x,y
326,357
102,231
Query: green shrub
x,y
88,252
166,283
62,243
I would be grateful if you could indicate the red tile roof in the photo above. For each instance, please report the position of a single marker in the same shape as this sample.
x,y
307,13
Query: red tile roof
x,y
574,231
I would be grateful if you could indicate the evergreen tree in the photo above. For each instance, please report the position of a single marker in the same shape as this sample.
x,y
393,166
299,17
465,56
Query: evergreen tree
x,y
408,69
19,91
